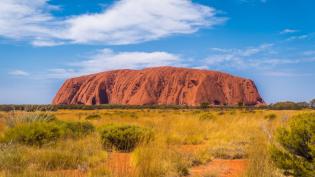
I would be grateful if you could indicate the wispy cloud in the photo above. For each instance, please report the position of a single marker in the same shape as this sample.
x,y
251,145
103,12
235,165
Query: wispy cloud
x,y
253,1
288,31
125,22
262,57
309,53
19,73
300,37
238,58
45,43
285,74
107,59
20,19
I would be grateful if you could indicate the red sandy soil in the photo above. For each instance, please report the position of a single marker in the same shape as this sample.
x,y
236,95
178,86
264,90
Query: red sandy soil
x,y
119,165
220,168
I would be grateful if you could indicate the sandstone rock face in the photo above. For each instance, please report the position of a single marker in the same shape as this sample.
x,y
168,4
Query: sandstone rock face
x,y
159,85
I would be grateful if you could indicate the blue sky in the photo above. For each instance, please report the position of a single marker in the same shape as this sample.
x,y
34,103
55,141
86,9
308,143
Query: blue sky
x,y
44,42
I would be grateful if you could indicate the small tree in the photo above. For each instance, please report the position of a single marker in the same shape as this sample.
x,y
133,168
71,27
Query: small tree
x,y
312,103
204,105
294,151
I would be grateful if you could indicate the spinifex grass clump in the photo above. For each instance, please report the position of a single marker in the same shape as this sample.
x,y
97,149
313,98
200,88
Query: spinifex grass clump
x,y
14,117
11,158
69,154
124,137
29,161
40,133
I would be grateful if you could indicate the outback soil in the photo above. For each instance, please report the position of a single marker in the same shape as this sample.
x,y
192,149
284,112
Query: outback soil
x,y
220,168
119,164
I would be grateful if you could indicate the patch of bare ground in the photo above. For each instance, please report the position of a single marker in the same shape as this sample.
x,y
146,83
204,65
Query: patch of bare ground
x,y
220,168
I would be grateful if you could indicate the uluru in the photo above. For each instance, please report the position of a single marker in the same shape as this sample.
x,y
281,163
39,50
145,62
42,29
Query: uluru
x,y
159,86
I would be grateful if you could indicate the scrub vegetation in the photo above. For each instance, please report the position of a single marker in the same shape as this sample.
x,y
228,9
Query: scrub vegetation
x,y
157,142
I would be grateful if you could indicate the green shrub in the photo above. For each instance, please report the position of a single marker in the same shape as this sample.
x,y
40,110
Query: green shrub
x,y
294,152
287,105
93,117
312,103
124,137
204,105
76,129
40,133
36,133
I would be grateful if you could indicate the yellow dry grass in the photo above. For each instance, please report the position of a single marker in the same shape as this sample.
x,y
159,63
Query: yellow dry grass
x,y
183,139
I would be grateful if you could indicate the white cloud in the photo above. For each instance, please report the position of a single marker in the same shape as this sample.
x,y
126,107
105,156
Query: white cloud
x,y
287,31
292,38
263,57
19,73
25,19
107,59
253,1
309,53
236,57
132,21
285,74
46,43
125,22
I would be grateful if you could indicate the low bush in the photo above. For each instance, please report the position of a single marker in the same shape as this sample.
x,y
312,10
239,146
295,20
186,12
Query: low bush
x,y
288,105
76,129
221,113
200,157
231,150
36,133
294,151
124,137
204,105
93,117
40,133
271,116
181,166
